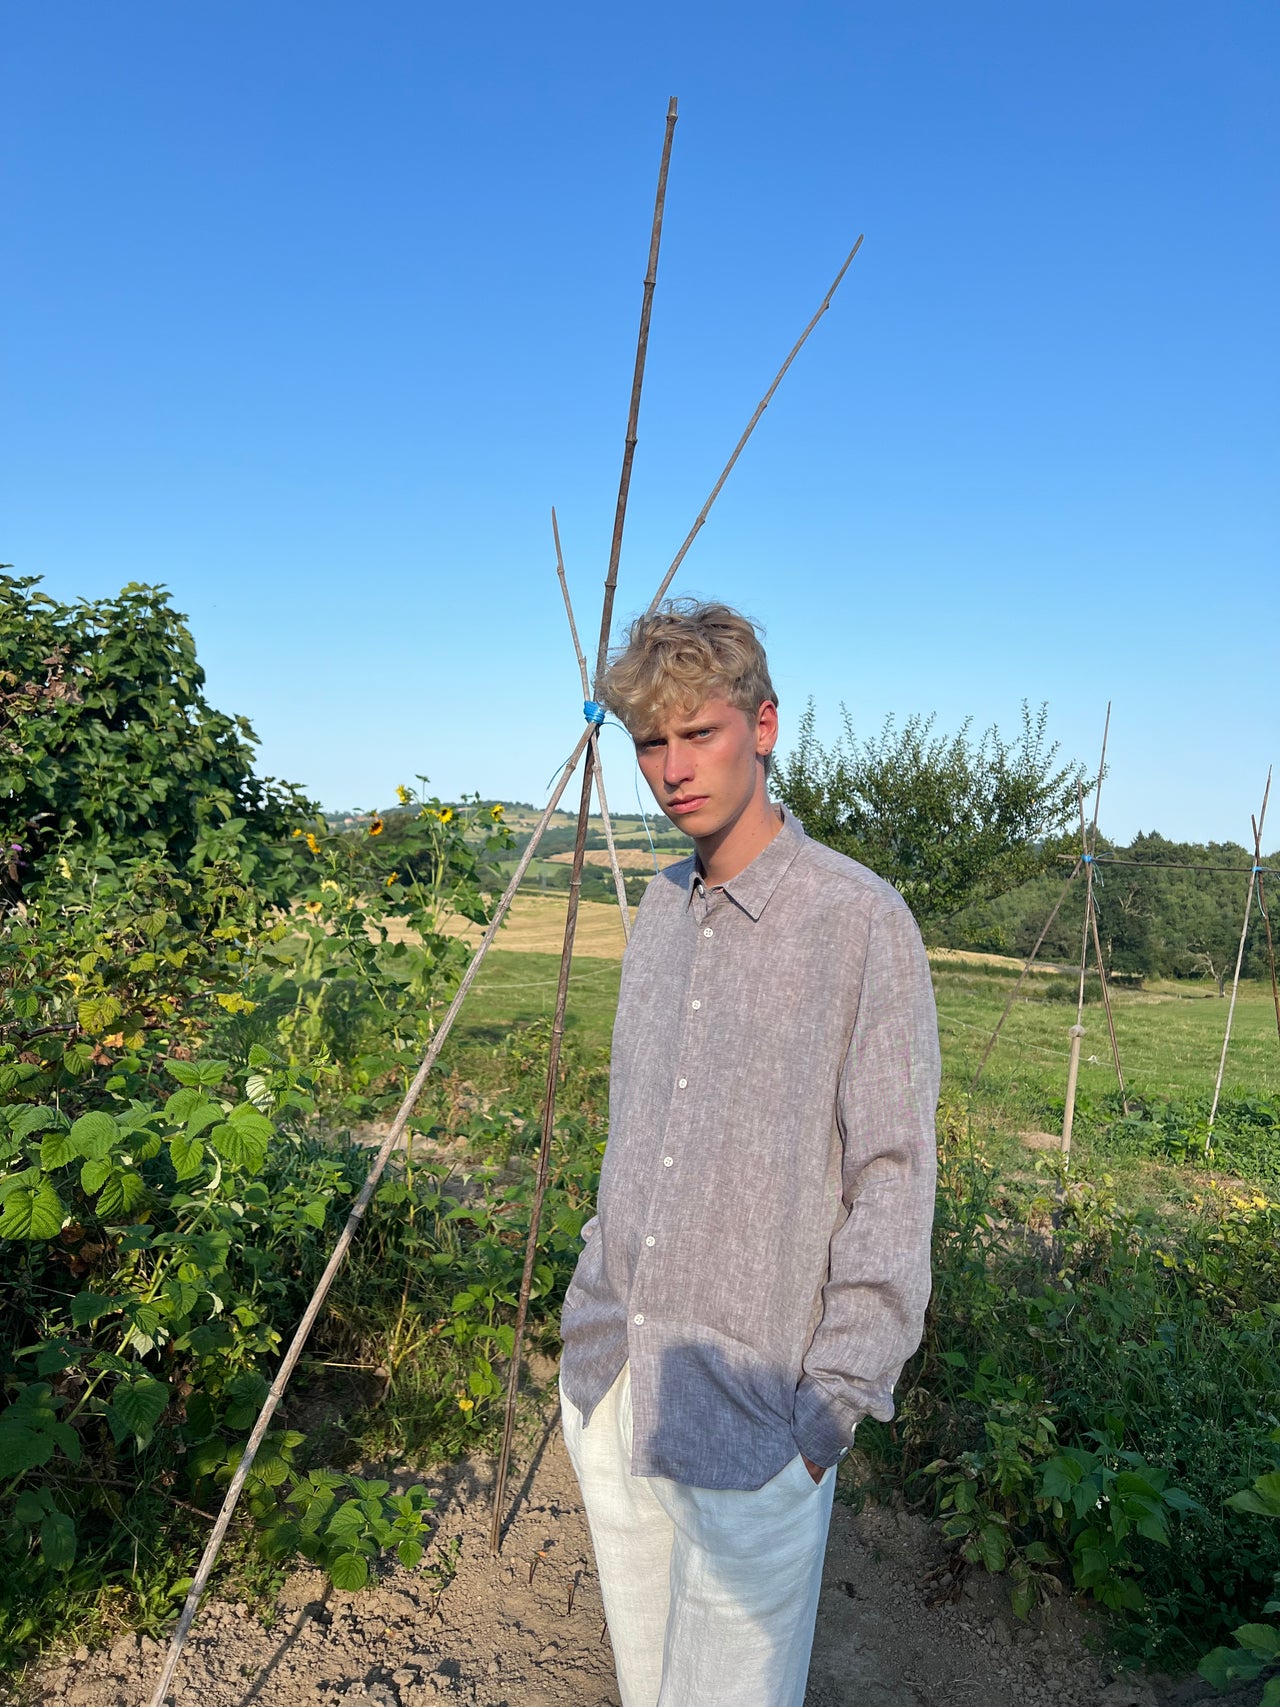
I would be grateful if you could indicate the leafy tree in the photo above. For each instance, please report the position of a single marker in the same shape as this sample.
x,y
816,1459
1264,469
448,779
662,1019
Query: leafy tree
x,y
109,748
948,820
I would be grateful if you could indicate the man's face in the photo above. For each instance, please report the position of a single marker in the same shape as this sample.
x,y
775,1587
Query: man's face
x,y
704,765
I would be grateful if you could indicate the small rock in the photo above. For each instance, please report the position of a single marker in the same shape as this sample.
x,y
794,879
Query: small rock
x,y
124,1650
404,1677
80,1655
549,1652
1000,1633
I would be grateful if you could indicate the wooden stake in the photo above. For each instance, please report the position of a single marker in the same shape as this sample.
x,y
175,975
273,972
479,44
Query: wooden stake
x,y
579,846
1235,982
763,404
301,1333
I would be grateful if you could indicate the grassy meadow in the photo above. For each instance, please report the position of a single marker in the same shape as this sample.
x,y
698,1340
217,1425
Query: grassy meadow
x,y
1169,1034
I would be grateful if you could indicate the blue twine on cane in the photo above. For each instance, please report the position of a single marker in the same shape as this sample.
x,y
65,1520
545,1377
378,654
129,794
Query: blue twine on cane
x,y
593,713
1086,859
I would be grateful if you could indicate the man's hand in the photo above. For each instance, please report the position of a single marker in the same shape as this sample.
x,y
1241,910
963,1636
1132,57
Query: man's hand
x,y
815,1470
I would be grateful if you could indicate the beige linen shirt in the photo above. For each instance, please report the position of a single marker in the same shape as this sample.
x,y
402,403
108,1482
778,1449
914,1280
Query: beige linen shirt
x,y
761,1248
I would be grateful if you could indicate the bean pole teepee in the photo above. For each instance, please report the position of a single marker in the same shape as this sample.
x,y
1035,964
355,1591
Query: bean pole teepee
x,y
1088,861
586,751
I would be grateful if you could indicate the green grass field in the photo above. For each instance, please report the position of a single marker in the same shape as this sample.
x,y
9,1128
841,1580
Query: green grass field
x,y
1169,1036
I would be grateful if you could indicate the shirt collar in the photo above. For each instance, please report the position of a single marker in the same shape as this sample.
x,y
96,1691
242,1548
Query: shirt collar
x,y
752,887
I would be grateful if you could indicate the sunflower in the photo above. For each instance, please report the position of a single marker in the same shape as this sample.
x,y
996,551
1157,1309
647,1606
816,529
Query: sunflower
x,y
393,877
444,814
376,828
402,794
312,843
495,812
296,834
313,906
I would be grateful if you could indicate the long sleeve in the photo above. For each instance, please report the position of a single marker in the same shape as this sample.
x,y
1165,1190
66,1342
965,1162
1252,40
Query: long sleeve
x,y
874,1299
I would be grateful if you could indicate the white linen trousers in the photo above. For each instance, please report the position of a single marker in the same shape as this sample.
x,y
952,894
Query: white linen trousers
x,y
711,1594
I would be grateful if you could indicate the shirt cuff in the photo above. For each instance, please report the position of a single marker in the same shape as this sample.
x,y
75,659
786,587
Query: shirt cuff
x,y
822,1426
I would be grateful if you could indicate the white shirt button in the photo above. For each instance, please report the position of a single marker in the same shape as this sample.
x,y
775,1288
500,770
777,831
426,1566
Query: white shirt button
x,y
682,1083
649,1240
667,1161
638,1320
697,1004
707,931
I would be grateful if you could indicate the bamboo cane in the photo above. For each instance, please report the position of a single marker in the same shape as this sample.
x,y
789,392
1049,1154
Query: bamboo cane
x,y
1266,916
1235,982
1088,841
763,404
575,878
301,1333
1013,994
619,881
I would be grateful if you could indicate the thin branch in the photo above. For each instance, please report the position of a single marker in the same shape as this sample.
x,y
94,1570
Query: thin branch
x,y
763,404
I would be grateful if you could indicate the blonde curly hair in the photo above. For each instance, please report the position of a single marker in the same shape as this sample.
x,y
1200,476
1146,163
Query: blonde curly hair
x,y
684,653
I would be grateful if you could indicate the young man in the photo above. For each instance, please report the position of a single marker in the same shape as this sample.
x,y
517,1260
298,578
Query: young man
x,y
758,1270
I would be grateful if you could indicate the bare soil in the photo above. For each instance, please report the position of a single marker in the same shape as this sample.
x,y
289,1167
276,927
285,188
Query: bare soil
x,y
898,1626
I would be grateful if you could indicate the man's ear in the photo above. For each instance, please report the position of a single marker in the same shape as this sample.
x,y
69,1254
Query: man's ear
x,y
766,728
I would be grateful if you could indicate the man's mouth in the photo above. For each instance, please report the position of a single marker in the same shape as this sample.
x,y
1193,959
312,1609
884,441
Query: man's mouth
x,y
690,803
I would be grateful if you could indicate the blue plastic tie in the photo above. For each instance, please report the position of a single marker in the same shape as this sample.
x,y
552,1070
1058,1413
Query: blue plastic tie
x,y
593,713
1257,869
1086,859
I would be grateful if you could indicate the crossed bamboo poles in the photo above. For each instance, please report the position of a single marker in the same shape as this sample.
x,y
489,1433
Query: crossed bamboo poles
x,y
588,745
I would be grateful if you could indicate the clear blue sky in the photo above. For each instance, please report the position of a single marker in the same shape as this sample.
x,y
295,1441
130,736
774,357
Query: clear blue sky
x,y
314,309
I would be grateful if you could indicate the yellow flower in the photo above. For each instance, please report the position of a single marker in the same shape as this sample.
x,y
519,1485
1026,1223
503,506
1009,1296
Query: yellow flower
x,y
313,906
376,828
495,812
445,815
465,1404
328,883
392,878
402,794
312,843
296,834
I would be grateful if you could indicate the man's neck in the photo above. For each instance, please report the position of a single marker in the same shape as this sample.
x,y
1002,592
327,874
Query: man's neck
x,y
721,858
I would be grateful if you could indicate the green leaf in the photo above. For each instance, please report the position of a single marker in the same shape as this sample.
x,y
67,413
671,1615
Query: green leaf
x,y
29,1120
121,1194
89,1306
58,1541
32,1215
1260,1639
183,1104
94,1175
313,1213
97,1013
185,1072
349,1571
992,1545
240,1145
139,1405
186,1154
346,1523
57,1149
95,1135
31,1505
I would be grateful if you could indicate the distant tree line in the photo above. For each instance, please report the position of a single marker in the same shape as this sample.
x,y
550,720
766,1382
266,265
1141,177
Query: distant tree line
x,y
1152,922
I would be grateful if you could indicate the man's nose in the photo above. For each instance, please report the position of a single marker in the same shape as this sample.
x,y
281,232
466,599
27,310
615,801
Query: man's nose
x,y
676,765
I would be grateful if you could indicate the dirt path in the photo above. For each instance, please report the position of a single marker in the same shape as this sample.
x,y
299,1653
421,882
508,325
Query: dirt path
x,y
527,1630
